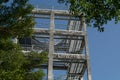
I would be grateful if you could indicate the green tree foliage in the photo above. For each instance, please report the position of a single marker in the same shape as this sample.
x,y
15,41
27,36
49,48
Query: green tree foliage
x,y
14,65
10,66
34,60
14,19
16,22
97,12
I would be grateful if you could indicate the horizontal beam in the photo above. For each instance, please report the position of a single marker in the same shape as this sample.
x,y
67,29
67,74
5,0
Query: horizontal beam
x,y
59,32
69,33
41,31
68,56
72,38
54,67
48,12
56,12
56,17
69,61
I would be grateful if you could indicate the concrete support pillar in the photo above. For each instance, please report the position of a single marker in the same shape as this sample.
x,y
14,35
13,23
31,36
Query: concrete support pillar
x,y
32,46
89,76
51,48
82,78
15,40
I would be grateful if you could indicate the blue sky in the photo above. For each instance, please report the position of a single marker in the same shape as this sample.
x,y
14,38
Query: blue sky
x,y
104,47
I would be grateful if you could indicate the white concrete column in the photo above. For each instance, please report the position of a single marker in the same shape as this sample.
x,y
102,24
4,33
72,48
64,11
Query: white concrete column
x,y
89,76
15,40
82,78
51,48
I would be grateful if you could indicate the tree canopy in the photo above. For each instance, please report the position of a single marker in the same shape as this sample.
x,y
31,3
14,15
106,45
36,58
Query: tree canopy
x,y
16,22
14,19
97,12
14,65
